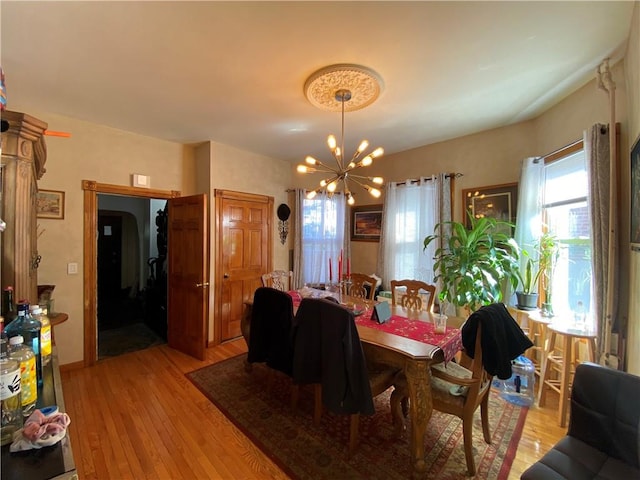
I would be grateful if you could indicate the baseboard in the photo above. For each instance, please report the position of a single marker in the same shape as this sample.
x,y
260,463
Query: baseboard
x,y
71,366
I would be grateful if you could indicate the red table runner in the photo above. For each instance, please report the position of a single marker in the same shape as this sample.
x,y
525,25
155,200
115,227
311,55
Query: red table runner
x,y
450,342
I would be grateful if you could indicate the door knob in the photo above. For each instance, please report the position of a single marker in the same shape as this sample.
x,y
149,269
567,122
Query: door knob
x,y
205,284
226,275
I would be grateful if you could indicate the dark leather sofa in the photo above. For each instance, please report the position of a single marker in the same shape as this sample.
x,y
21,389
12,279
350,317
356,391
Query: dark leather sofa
x,y
603,440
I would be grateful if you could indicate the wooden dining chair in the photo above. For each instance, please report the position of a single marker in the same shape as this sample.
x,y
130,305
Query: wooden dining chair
x,y
357,287
414,290
278,279
457,389
328,354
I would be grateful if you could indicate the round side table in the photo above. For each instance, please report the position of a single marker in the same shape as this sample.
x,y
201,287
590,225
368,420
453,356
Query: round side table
x,y
561,356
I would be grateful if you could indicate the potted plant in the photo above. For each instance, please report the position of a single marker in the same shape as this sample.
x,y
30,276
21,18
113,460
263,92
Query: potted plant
x,y
527,296
536,270
473,265
549,254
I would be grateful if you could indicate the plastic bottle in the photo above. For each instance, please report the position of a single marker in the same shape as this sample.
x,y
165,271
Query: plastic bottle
x,y
4,341
580,316
45,333
29,328
8,308
22,353
10,399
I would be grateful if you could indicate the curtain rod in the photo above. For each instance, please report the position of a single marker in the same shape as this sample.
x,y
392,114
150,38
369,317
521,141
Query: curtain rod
x,y
411,180
416,180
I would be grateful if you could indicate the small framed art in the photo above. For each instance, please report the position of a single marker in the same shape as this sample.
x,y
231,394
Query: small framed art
x,y
493,201
366,223
50,204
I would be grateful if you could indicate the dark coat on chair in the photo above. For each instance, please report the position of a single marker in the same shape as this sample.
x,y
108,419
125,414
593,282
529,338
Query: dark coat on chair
x,y
502,339
270,337
327,350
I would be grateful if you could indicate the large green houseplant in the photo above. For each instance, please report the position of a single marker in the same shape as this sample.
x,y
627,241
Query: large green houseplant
x,y
474,265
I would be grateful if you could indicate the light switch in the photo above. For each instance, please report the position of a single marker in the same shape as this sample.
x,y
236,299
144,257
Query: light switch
x,y
72,268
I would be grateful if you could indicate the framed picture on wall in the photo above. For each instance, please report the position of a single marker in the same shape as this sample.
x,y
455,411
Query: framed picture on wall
x,y
635,195
366,223
50,204
493,201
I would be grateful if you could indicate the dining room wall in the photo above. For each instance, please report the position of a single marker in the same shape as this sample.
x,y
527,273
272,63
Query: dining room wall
x,y
493,157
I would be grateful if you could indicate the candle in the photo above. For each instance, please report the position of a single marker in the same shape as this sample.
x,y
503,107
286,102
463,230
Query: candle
x,y
348,268
330,272
340,269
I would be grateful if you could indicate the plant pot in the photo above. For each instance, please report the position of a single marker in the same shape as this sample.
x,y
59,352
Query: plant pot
x,y
463,311
527,301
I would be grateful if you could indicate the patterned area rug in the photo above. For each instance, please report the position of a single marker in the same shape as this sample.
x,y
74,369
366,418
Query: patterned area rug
x,y
259,404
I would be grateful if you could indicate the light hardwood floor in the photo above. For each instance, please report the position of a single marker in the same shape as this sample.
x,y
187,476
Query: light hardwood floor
x,y
137,416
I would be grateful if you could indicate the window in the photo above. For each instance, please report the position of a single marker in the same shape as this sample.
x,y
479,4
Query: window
x,y
323,221
411,211
566,213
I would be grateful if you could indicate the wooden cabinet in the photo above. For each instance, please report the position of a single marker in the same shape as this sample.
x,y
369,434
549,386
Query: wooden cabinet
x,y
23,157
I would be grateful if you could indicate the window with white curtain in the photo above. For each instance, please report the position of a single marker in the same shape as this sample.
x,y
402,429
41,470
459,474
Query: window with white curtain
x,y
565,212
323,221
411,215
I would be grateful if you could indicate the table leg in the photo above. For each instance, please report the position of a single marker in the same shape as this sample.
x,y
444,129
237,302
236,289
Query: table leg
x,y
564,379
592,349
418,378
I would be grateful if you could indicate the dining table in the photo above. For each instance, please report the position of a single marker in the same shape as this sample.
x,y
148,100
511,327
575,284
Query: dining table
x,y
407,341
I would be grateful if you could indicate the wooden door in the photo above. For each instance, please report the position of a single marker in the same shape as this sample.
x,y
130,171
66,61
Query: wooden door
x,y
244,254
188,275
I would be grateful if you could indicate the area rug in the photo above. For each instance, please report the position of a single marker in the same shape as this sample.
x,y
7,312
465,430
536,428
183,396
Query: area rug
x,y
258,403
130,338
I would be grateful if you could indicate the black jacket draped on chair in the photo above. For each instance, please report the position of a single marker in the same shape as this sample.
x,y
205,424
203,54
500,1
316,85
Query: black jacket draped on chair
x,y
502,339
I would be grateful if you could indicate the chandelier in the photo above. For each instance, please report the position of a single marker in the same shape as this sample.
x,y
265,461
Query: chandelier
x,y
331,88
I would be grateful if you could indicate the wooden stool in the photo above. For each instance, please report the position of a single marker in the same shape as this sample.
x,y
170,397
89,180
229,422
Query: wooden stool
x,y
538,335
564,362
522,319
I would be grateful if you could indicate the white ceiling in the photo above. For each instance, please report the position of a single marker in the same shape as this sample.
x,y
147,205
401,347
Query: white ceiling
x,y
234,72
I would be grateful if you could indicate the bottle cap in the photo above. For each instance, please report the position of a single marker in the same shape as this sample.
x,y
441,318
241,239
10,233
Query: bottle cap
x,y
17,340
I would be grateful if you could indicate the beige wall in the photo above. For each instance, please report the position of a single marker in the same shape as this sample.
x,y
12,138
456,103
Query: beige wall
x,y
632,77
494,157
106,155
230,168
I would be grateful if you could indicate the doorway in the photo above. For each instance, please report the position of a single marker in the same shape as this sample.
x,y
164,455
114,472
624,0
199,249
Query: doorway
x,y
92,190
131,274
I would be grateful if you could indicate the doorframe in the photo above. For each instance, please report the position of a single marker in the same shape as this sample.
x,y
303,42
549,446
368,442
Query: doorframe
x,y
91,190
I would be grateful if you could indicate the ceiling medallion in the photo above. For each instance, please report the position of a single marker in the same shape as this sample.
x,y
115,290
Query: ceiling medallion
x,y
343,88
364,84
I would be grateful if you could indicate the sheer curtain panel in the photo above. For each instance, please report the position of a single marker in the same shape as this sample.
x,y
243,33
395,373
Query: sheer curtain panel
x,y
411,211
